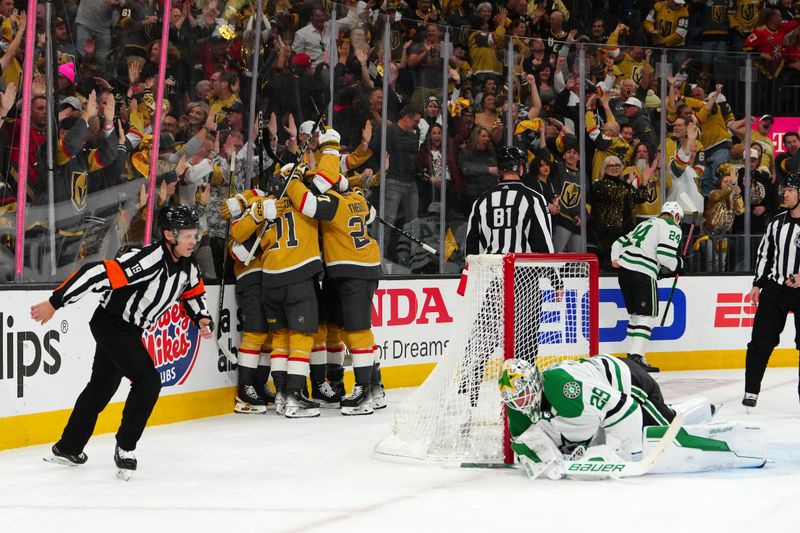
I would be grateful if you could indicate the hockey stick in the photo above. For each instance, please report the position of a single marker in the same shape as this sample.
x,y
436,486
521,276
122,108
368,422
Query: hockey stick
x,y
428,248
252,252
600,469
220,345
686,200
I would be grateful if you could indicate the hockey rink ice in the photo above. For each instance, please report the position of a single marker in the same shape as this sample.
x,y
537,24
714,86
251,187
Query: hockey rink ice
x,y
262,473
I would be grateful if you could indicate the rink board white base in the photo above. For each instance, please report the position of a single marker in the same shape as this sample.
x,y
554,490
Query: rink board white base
x,y
708,327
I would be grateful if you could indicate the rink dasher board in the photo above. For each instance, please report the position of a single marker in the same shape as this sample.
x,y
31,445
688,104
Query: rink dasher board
x,y
708,326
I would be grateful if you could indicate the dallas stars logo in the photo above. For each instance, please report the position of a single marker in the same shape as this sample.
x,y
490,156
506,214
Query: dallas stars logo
x,y
508,380
571,390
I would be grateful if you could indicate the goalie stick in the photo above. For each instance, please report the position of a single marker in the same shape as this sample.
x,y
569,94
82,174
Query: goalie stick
x,y
220,344
686,200
621,469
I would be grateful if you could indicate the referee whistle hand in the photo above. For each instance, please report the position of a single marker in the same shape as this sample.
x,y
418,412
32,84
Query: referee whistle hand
x,y
205,330
42,312
792,281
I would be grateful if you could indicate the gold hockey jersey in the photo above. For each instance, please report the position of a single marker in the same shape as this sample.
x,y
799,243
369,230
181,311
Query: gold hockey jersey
x,y
291,247
348,249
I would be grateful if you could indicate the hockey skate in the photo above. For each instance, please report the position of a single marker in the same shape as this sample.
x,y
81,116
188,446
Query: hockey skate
x,y
266,395
358,402
67,459
298,406
377,393
642,362
248,401
326,396
749,400
378,396
126,463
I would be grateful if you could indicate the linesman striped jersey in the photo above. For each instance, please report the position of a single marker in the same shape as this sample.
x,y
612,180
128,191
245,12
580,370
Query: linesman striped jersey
x,y
651,245
139,286
778,256
347,248
510,218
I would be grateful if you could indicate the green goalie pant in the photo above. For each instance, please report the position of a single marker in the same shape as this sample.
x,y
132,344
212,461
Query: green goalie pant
x,y
715,446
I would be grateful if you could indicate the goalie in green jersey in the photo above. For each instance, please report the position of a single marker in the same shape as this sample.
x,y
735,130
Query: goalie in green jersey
x,y
600,408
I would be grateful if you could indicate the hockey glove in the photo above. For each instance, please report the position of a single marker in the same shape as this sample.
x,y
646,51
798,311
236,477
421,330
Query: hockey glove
x,y
233,207
264,210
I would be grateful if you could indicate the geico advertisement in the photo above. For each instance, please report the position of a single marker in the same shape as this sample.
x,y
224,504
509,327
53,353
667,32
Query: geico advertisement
x,y
44,368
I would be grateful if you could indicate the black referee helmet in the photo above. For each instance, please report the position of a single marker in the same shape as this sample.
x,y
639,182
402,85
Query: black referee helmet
x,y
177,217
510,159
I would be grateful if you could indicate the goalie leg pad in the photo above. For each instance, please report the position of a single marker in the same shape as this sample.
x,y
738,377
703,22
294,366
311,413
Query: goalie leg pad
x,y
716,446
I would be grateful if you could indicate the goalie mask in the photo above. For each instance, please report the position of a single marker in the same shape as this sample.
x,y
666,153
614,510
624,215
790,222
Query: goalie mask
x,y
521,385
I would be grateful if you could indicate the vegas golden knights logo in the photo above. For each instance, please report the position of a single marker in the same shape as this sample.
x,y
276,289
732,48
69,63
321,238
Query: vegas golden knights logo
x,y
748,12
78,190
666,28
652,192
570,194
719,14
637,73
394,39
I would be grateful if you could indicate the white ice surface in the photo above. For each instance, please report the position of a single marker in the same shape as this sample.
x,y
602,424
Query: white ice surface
x,y
254,473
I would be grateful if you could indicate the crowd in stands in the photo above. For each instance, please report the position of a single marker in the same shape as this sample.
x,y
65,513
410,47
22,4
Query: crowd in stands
x,y
441,135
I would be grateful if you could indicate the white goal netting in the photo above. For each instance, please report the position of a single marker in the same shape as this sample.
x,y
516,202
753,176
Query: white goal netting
x,y
538,307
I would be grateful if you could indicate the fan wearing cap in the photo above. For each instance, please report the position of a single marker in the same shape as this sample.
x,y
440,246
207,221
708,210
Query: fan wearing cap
x,y
668,23
640,122
65,48
234,117
643,256
761,136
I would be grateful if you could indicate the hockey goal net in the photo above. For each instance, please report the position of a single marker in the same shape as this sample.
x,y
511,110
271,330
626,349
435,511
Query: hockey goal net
x,y
542,307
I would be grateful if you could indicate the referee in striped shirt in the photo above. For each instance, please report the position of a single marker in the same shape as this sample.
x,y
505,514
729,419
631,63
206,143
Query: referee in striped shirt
x,y
137,288
510,218
776,288
513,218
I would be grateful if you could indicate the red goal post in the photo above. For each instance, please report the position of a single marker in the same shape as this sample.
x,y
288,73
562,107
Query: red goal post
x,y
541,307
511,264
